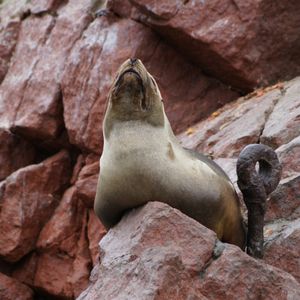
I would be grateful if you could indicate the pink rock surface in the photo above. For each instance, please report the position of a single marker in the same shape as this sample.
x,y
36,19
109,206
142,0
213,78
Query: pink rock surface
x,y
282,246
289,156
64,261
92,65
29,197
284,202
283,125
39,113
96,232
156,252
243,43
15,153
11,289
233,127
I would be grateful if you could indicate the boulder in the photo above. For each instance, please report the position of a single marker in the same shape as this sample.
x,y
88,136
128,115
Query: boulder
x,y
15,153
289,156
283,124
93,63
28,198
156,252
64,260
282,239
228,130
11,289
33,80
284,202
242,43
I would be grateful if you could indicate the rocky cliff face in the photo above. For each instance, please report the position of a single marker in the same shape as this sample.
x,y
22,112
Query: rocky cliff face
x,y
57,60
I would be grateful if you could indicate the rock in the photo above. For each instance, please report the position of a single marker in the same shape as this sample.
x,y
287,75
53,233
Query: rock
x,y
282,240
64,260
11,289
242,43
235,275
36,71
289,156
8,40
91,69
156,252
24,270
82,264
86,184
283,124
40,112
284,202
28,198
33,32
96,232
41,6
15,153
234,126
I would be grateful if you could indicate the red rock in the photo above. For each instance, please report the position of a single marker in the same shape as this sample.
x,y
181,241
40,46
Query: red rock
x,y
40,6
25,270
289,156
283,124
29,197
83,262
63,229
284,202
151,251
96,232
53,275
156,252
243,43
235,275
15,153
8,40
233,127
64,261
90,71
11,289
39,114
33,32
86,184
282,247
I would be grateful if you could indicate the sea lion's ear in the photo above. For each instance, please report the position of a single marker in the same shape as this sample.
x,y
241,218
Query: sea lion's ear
x,y
162,100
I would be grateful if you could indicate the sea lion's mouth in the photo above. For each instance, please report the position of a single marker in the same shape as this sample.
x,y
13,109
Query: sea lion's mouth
x,y
140,82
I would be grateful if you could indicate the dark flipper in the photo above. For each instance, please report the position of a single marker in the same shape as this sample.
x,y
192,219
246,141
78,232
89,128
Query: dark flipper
x,y
256,186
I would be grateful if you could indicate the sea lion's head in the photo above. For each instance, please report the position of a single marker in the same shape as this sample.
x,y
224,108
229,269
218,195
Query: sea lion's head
x,y
134,95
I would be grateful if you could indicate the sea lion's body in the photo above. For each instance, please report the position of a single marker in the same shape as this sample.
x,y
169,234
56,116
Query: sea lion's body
x,y
142,161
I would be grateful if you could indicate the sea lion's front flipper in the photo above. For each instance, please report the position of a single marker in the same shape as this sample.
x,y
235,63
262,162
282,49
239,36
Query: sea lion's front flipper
x,y
256,186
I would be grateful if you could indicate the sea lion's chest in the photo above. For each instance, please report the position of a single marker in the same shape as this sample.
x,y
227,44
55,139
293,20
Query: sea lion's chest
x,y
146,164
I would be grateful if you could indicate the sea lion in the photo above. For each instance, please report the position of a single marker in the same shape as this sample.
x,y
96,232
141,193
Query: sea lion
x,y
142,161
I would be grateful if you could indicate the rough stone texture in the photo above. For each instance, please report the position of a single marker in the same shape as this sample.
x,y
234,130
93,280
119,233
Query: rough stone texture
x,y
94,61
284,202
29,197
57,60
8,40
234,126
243,43
15,153
282,246
156,252
86,184
64,260
283,124
96,231
289,156
11,289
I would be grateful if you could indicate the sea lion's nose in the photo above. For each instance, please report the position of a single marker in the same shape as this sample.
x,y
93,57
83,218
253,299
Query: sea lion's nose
x,y
133,61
